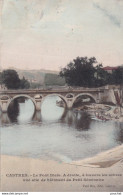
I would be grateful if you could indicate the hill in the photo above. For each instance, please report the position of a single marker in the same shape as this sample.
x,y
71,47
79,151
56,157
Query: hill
x,y
41,77
54,79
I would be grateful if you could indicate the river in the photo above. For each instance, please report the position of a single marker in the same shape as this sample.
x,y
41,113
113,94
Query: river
x,y
55,133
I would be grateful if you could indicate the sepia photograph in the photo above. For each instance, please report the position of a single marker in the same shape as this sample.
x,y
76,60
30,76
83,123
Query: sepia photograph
x,y
61,96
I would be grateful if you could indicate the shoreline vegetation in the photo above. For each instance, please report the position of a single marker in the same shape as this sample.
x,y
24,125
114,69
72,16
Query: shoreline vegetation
x,y
102,112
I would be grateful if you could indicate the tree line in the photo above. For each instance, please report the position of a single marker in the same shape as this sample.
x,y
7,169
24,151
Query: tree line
x,y
86,72
82,71
11,80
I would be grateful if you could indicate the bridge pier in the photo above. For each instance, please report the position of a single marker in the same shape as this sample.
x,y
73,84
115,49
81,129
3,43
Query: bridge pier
x,y
69,102
4,105
37,116
38,104
4,119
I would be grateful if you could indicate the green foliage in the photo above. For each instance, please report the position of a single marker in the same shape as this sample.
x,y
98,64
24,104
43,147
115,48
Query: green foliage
x,y
11,79
24,84
102,76
117,76
0,77
80,72
54,79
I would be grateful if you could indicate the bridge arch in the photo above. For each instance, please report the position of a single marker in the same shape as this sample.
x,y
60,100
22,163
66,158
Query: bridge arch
x,y
84,94
21,95
55,94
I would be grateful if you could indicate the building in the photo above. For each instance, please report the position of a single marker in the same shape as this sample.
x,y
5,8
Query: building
x,y
110,69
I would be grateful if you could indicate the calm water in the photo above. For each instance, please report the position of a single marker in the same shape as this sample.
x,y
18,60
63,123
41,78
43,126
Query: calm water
x,y
55,133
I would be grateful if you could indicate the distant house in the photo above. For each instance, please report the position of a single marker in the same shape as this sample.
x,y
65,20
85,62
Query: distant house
x,y
110,69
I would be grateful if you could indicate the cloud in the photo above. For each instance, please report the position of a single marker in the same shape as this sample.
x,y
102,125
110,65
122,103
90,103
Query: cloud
x,y
112,17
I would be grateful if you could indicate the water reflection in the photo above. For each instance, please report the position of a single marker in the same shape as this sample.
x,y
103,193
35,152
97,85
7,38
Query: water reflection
x,y
80,121
4,119
37,117
13,111
49,111
55,133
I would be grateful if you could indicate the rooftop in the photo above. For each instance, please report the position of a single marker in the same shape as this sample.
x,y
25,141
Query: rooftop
x,y
110,68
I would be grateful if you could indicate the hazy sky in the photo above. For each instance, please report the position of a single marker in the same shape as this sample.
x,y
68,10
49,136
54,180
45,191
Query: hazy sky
x,y
51,33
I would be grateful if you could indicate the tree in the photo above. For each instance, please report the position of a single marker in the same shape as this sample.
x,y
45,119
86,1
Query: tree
x,y
11,79
24,84
80,72
0,77
117,76
102,76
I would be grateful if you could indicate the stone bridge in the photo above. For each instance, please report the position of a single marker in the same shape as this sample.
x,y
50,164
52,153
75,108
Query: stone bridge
x,y
69,96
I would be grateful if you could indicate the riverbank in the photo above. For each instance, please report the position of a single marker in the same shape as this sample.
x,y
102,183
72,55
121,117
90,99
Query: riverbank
x,y
103,112
100,173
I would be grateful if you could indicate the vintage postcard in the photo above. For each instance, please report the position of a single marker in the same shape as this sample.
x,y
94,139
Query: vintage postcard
x,y
61,96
